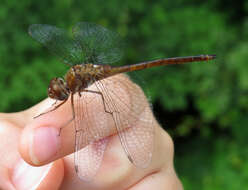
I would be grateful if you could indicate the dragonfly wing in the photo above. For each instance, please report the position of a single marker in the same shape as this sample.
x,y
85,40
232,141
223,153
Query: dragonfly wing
x,y
89,159
58,42
101,45
90,137
133,122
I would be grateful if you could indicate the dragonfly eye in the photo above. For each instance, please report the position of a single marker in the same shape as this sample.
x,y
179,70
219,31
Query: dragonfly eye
x,y
58,89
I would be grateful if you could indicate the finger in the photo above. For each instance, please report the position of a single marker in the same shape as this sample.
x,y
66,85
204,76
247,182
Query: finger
x,y
41,141
117,172
9,135
162,180
5,182
25,176
14,172
21,119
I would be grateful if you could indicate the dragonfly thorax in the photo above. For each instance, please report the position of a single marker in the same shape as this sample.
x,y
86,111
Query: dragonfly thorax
x,y
81,76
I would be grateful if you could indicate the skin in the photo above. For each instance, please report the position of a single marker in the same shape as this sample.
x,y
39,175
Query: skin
x,y
19,144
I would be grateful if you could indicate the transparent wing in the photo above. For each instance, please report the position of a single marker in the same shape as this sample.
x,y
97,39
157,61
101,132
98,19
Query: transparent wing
x,y
89,159
58,42
133,122
89,131
101,46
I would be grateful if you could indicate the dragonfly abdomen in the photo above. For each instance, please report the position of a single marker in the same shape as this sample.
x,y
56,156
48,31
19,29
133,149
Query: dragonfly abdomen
x,y
160,62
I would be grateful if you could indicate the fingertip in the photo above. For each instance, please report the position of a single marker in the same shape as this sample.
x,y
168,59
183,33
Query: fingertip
x,y
39,145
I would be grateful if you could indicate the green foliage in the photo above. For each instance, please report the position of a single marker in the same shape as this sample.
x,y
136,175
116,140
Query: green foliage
x,y
206,103
215,163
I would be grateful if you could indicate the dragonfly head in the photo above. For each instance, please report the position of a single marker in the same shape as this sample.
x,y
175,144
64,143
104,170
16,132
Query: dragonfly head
x,y
58,89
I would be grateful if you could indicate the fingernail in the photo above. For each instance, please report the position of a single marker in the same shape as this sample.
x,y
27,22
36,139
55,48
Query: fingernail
x,y
26,176
45,144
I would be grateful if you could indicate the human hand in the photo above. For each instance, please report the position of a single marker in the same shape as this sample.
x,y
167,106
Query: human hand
x,y
36,141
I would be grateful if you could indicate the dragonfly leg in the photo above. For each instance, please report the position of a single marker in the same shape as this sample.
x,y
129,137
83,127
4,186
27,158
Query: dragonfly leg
x,y
56,107
73,116
55,103
100,93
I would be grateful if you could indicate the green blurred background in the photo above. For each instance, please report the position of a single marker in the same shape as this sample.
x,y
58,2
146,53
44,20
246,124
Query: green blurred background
x,y
203,106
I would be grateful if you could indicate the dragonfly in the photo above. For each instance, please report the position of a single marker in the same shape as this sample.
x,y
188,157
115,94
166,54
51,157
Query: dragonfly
x,y
92,53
